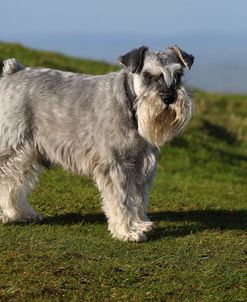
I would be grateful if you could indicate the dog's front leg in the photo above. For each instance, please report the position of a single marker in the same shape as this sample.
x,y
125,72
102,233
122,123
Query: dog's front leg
x,y
148,172
122,202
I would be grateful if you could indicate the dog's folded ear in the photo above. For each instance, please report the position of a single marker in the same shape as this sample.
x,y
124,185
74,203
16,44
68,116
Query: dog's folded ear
x,y
185,59
134,59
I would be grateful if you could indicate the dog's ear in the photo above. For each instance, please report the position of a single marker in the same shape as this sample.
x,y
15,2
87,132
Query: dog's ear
x,y
185,59
134,59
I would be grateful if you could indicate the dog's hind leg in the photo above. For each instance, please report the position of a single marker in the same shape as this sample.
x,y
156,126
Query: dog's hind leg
x,y
19,172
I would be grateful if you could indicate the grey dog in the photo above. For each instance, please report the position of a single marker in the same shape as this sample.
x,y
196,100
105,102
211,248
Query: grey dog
x,y
107,127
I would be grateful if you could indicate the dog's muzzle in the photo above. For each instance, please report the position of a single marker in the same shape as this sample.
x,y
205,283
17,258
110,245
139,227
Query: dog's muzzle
x,y
169,98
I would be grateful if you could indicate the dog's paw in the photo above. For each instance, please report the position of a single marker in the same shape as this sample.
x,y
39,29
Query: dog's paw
x,y
132,237
146,226
34,218
4,219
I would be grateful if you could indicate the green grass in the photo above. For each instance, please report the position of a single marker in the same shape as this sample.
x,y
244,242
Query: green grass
x,y
52,60
198,251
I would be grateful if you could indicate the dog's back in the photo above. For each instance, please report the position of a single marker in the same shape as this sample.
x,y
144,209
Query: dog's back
x,y
54,111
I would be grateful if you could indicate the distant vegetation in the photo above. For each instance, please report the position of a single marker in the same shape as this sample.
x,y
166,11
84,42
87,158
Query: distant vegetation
x,y
52,60
198,251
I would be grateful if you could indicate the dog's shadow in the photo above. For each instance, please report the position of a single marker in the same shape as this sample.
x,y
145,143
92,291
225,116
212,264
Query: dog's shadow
x,y
179,223
183,223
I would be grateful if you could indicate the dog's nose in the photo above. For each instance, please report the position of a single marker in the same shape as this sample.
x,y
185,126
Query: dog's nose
x,y
168,99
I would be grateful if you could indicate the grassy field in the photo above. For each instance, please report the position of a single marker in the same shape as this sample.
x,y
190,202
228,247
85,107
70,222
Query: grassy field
x,y
198,251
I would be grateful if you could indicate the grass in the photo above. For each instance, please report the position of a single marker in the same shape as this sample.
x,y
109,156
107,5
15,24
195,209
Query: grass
x,y
198,251
33,58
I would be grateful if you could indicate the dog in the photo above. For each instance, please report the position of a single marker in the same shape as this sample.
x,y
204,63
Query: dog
x,y
108,127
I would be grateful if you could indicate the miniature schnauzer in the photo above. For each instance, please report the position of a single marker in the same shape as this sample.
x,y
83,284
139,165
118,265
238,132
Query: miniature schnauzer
x,y
108,127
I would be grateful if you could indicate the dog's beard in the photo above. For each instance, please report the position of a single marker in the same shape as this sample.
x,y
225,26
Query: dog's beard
x,y
159,123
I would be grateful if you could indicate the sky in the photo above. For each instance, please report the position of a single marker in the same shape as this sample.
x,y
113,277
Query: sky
x,y
215,31
143,17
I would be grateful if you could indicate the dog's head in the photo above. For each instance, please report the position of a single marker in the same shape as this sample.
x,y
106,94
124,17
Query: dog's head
x,y
163,107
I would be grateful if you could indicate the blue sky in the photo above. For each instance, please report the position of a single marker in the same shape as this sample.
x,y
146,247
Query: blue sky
x,y
129,16
215,31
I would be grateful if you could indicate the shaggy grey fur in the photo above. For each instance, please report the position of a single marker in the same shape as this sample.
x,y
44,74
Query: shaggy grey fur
x,y
106,127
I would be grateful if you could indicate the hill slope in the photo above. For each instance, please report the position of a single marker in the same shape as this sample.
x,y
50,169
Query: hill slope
x,y
198,203
37,58
220,60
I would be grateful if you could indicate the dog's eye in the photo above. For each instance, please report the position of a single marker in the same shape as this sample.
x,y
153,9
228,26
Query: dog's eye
x,y
148,77
160,77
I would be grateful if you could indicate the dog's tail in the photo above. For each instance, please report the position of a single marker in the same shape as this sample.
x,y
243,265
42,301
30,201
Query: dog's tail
x,y
11,66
